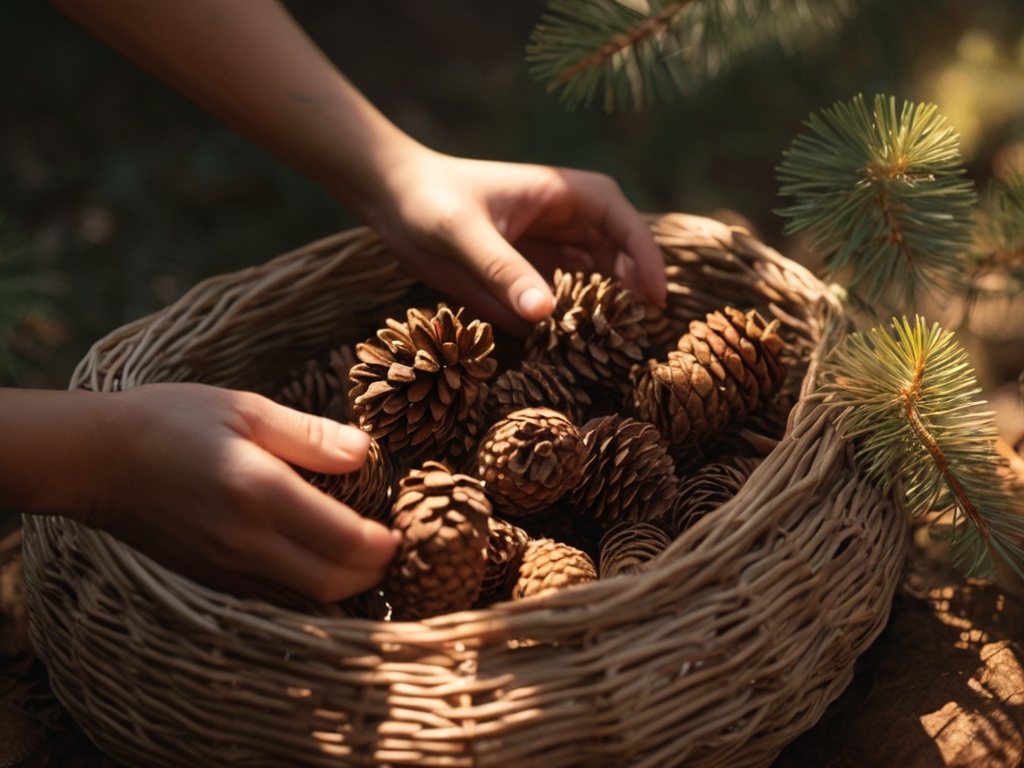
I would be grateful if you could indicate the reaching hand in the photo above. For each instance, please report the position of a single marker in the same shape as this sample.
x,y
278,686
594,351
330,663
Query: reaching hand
x,y
198,478
481,230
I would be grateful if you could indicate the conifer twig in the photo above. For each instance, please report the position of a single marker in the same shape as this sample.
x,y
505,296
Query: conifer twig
x,y
907,401
642,51
998,250
882,194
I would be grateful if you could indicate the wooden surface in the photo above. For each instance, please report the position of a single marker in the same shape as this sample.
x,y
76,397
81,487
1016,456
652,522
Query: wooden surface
x,y
943,687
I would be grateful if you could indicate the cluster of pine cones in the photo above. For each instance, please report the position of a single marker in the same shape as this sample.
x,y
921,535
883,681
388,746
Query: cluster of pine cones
x,y
587,459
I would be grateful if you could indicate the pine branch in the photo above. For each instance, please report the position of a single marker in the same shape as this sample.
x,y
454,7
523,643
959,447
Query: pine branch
x,y
882,195
999,240
644,51
907,401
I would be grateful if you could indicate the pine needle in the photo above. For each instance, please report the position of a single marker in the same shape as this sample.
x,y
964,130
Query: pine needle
x,y
999,239
882,195
646,51
907,399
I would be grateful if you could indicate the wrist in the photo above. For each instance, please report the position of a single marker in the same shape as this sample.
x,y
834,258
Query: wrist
x,y
55,458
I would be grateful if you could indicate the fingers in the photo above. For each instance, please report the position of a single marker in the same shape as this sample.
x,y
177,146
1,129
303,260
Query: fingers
x,y
457,280
322,578
503,271
602,202
315,544
318,444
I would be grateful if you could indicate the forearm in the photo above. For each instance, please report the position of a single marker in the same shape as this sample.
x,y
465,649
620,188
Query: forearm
x,y
248,63
52,451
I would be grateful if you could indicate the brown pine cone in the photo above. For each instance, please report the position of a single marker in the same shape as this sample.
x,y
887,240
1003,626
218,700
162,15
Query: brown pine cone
x,y
537,385
529,460
705,491
724,369
627,474
421,384
367,490
316,390
505,547
441,561
628,547
549,566
597,329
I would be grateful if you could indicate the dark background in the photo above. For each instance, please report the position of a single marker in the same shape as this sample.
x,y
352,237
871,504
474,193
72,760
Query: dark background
x,y
125,194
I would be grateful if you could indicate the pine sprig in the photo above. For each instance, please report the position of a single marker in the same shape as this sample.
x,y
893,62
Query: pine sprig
x,y
882,194
907,399
999,239
645,51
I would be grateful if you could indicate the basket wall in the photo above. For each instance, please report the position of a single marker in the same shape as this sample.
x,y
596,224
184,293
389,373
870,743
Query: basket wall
x,y
730,646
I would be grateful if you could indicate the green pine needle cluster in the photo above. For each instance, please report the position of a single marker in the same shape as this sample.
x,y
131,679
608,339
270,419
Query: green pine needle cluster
x,y
999,241
883,196
640,52
907,399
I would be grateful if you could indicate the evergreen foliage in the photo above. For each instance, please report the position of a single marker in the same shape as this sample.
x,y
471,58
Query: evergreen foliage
x,y
908,401
645,51
883,196
999,239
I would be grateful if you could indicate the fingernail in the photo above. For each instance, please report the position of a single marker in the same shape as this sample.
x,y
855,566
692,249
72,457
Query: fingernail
x,y
533,303
352,438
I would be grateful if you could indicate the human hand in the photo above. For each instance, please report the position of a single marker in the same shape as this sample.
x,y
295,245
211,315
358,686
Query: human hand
x,y
197,478
496,227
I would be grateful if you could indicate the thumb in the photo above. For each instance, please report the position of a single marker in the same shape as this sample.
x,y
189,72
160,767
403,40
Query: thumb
x,y
506,274
312,442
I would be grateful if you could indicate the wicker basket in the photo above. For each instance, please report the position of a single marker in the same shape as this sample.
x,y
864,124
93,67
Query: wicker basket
x,y
729,647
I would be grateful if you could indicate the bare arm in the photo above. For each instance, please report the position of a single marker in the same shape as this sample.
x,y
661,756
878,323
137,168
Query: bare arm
x,y
247,62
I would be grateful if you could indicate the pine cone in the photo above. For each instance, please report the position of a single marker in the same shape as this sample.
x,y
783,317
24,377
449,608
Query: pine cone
x,y
316,390
421,384
628,547
597,330
627,474
705,491
441,561
724,369
367,490
537,385
505,547
549,566
529,460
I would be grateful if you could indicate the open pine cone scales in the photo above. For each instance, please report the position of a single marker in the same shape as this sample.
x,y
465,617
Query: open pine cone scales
x,y
628,547
722,371
597,329
506,544
440,564
706,490
322,388
368,489
421,384
537,385
627,474
549,566
529,460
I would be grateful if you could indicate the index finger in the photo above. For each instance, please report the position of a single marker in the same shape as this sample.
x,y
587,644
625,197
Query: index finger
x,y
608,208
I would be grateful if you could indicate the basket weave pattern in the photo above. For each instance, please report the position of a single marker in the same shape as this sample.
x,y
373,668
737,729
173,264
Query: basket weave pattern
x,y
732,644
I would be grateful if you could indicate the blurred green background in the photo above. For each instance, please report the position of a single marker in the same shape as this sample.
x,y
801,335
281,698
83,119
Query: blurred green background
x,y
124,194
